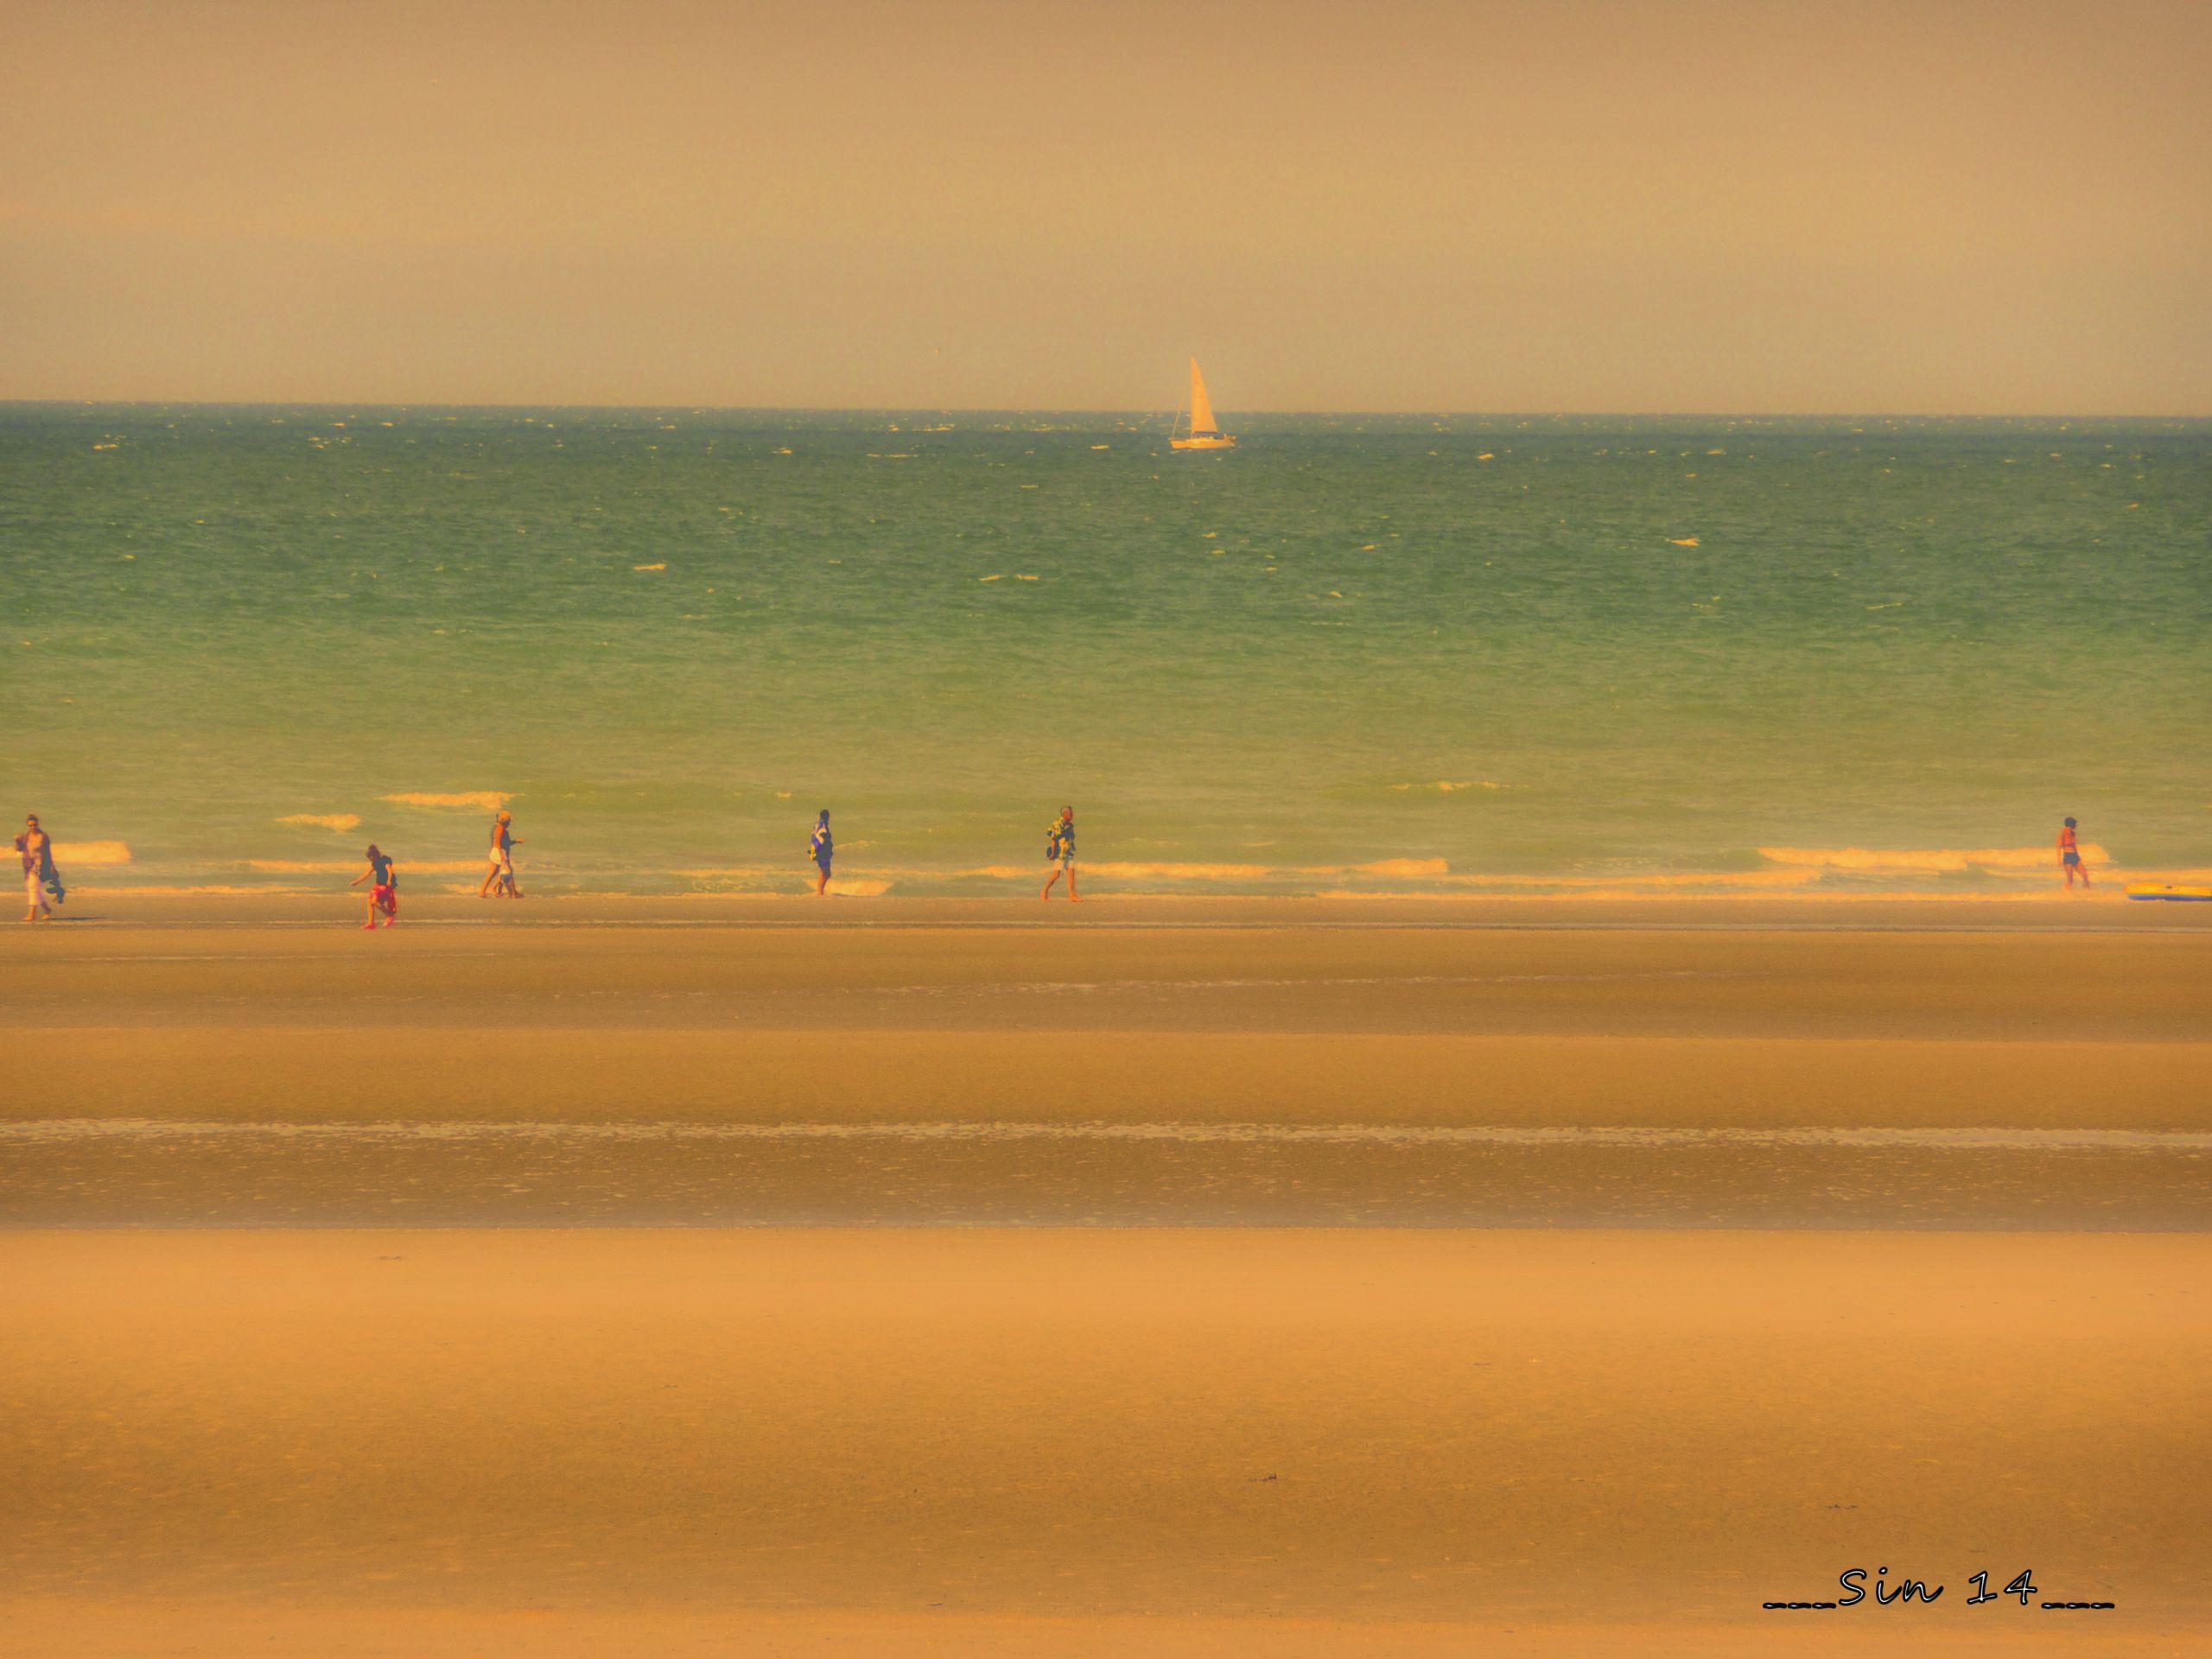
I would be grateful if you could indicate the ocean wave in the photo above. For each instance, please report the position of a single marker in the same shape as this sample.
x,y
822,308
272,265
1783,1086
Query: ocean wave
x,y
165,890
485,800
1792,877
1928,860
1112,869
850,886
340,867
341,821
1408,869
91,852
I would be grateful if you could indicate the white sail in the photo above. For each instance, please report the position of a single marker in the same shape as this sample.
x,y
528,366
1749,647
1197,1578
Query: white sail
x,y
1201,408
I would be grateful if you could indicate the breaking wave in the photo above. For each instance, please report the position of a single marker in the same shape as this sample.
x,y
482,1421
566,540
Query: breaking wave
x,y
1928,860
91,852
485,800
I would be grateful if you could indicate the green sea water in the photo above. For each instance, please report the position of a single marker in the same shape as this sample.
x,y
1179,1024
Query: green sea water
x,y
1475,652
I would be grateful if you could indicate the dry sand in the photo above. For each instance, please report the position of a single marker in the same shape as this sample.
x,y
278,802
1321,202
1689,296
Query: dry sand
x,y
1171,1441
1384,1428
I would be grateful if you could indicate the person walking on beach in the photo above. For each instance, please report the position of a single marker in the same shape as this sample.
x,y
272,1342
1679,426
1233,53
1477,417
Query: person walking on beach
x,y
499,880
2070,856
384,888
819,849
1059,851
35,848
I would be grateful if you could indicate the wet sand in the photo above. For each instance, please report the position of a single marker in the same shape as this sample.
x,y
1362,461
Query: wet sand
x,y
1391,1278
973,1064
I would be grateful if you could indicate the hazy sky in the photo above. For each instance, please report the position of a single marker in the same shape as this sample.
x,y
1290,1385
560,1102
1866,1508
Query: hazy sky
x,y
1549,206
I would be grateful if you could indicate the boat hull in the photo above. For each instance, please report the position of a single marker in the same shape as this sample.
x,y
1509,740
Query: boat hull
x,y
1224,441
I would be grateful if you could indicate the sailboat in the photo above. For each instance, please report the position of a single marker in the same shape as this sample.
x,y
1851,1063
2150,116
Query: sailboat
x,y
1203,433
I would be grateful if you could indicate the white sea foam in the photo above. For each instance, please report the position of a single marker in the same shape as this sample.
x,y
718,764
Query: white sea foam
x,y
310,866
91,852
487,800
1928,860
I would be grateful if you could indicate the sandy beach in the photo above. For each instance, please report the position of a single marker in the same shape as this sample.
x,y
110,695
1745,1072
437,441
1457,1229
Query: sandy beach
x,y
1441,1433
1350,832
1150,1277
204,1062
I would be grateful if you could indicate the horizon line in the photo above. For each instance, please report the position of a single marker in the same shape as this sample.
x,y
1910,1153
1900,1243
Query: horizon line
x,y
1095,410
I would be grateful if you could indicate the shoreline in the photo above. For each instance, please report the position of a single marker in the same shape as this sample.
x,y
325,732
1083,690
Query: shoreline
x,y
2100,910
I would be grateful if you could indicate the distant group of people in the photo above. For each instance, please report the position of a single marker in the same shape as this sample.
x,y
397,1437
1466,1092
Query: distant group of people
x,y
383,875
1060,852
41,878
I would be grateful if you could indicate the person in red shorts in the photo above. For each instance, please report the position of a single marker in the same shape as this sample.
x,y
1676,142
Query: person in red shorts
x,y
384,888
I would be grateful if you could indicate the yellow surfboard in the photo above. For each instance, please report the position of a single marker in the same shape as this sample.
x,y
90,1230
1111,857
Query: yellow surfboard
x,y
2160,890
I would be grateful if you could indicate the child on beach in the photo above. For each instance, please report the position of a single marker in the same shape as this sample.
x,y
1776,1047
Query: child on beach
x,y
384,889
820,848
36,849
1059,850
2070,856
499,880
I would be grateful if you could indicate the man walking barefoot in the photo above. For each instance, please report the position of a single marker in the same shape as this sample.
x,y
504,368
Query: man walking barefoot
x,y
1059,851
499,879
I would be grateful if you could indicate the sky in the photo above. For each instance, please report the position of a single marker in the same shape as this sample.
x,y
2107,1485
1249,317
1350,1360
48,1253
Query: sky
x,y
1564,205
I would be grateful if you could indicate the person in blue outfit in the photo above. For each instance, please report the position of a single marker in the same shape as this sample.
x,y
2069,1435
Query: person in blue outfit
x,y
820,850
384,888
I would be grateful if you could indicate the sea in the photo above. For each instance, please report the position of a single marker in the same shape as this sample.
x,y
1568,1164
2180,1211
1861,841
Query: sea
x,y
1357,654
